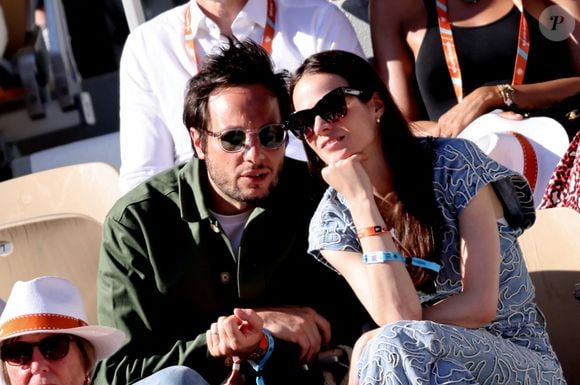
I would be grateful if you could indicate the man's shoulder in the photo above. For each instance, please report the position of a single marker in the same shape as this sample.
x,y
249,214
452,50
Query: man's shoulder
x,y
298,185
168,23
158,191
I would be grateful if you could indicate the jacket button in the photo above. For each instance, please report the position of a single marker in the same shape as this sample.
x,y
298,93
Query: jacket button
x,y
225,277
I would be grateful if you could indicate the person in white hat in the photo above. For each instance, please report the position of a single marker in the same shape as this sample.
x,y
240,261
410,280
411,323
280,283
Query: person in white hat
x,y
45,337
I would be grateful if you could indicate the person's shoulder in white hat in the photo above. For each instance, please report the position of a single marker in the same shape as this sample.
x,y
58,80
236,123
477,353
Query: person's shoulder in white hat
x,y
41,309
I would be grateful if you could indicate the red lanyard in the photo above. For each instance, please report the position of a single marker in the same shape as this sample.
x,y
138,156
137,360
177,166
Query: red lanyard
x,y
267,37
451,54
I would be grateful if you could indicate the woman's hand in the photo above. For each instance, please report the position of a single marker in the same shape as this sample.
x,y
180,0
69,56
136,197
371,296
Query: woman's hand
x,y
349,177
477,103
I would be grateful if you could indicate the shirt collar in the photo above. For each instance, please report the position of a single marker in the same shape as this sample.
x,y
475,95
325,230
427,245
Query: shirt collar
x,y
255,11
197,17
192,181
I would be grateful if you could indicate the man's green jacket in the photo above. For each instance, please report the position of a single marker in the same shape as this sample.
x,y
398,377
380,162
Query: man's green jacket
x,y
167,271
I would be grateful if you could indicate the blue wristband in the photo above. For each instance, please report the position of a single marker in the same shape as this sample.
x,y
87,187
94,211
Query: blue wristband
x,y
260,365
386,256
425,264
382,257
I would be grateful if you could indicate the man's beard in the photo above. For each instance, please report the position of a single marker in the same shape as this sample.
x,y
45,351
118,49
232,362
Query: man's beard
x,y
231,189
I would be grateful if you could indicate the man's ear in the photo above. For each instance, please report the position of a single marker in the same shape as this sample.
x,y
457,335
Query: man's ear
x,y
196,142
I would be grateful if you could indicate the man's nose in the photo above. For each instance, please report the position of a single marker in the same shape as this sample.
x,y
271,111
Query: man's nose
x,y
253,150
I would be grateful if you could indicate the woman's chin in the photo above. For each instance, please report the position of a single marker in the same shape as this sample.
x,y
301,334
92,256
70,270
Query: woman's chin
x,y
335,156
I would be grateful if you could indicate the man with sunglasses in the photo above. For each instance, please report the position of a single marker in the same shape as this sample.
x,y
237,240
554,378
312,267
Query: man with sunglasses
x,y
163,53
204,266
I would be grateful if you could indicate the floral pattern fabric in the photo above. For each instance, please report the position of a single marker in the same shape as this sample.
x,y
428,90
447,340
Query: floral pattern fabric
x,y
514,348
563,189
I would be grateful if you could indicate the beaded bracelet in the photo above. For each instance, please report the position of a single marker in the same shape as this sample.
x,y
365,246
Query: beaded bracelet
x,y
386,256
373,230
260,365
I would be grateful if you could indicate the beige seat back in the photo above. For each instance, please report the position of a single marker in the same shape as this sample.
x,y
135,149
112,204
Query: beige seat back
x,y
51,224
88,189
64,245
551,249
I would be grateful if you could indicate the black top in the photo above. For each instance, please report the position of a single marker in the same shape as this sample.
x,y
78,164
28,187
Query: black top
x,y
486,56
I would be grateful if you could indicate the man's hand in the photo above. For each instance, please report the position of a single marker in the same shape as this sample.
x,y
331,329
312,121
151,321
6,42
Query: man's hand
x,y
236,335
300,325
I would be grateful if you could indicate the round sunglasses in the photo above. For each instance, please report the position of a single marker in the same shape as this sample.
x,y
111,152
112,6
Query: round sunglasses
x,y
331,107
270,136
52,348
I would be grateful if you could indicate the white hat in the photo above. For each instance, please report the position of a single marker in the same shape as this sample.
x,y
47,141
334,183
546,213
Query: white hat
x,y
54,305
532,147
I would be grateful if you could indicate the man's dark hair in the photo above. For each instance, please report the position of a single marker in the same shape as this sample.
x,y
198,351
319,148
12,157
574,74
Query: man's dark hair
x,y
236,64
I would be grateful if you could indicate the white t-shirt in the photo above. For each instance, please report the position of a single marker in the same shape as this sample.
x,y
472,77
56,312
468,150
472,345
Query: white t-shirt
x,y
233,226
155,68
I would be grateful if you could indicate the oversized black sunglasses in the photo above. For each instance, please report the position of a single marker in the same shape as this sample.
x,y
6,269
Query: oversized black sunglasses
x,y
332,107
52,348
271,136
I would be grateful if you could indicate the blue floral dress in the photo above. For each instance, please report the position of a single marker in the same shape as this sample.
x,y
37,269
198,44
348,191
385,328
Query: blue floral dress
x,y
514,348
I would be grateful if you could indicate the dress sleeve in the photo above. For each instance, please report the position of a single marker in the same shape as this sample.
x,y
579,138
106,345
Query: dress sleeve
x,y
332,228
461,169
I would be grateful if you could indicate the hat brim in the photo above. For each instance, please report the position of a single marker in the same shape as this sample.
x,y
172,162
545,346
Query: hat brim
x,y
547,137
543,130
105,340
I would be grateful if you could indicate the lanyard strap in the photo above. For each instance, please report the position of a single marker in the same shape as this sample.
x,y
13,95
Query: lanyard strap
x,y
267,37
451,54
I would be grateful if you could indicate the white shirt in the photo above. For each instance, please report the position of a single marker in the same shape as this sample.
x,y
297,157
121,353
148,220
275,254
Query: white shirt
x,y
155,68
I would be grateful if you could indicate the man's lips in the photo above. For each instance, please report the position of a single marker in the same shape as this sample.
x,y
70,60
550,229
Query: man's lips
x,y
255,174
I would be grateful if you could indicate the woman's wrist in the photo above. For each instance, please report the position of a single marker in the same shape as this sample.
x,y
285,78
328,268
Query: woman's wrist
x,y
365,213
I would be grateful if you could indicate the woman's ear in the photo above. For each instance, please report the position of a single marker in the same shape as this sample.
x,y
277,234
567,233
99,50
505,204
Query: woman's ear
x,y
377,105
196,142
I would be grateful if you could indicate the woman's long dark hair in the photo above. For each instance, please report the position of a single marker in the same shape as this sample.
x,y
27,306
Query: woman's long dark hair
x,y
415,216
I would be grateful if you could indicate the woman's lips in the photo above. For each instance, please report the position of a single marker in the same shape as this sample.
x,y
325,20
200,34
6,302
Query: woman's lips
x,y
332,143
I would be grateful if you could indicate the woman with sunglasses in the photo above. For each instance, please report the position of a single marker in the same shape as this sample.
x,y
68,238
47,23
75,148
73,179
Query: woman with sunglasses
x,y
425,232
45,337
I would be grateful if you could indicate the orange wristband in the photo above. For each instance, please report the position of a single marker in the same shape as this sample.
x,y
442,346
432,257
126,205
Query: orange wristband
x,y
261,350
373,230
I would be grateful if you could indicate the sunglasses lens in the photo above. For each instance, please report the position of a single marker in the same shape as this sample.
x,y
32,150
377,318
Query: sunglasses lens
x,y
16,353
331,108
55,347
233,140
20,353
272,136
300,123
